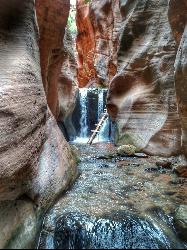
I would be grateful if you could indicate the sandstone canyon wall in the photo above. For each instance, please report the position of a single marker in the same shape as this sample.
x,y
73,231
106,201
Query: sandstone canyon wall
x,y
36,163
178,20
142,95
98,24
131,46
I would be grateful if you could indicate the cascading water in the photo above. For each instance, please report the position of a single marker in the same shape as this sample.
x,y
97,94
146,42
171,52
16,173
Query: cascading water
x,y
83,137
91,114
100,104
103,135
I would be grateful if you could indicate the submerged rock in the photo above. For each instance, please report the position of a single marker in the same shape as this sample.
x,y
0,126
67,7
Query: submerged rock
x,y
164,164
180,221
117,230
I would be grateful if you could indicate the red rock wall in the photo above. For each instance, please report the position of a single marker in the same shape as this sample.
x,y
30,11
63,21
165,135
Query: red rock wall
x,y
52,19
142,95
178,20
132,46
36,163
97,41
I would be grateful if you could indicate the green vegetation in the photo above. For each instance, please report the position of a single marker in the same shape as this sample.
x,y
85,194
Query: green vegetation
x,y
72,22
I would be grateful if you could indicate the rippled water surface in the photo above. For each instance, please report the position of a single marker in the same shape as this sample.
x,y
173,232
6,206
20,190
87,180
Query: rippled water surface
x,y
115,203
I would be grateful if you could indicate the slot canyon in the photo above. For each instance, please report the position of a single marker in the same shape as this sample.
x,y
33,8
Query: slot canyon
x,y
93,124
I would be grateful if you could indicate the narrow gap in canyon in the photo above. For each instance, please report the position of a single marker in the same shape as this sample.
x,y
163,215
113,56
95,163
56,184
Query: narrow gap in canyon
x,y
90,99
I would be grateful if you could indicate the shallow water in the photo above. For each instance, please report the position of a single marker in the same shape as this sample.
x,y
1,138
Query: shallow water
x,y
115,203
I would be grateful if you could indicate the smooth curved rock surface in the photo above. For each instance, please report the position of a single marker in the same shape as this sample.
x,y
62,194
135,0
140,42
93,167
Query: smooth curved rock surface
x,y
23,106
36,163
133,45
52,29
142,97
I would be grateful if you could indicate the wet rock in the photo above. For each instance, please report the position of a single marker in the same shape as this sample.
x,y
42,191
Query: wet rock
x,y
164,164
129,150
76,153
150,170
109,155
181,171
118,230
180,221
141,155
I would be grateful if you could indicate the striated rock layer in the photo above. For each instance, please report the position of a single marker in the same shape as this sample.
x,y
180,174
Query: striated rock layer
x,y
178,20
36,163
142,94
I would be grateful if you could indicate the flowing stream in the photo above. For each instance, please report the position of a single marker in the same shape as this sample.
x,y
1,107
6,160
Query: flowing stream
x,y
114,204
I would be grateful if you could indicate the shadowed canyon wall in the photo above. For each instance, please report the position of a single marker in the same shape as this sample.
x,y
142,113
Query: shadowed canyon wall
x,y
131,46
57,56
36,163
178,20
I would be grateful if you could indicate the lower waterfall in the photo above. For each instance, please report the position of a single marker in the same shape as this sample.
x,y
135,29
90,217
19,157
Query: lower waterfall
x,y
87,124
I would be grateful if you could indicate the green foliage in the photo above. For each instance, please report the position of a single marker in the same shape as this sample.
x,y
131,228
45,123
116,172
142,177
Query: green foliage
x,y
72,22
87,1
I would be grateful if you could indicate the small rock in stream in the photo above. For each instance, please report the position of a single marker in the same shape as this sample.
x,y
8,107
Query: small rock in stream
x,y
164,164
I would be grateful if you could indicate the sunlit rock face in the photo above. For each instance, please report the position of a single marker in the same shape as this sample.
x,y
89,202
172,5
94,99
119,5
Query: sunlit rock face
x,y
52,19
23,108
98,23
178,20
142,97
36,163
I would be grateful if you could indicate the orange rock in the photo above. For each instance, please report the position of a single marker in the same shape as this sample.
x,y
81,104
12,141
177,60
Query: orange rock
x,y
181,171
52,19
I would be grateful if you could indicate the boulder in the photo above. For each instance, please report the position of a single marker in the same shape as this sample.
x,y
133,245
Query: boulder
x,y
126,150
164,164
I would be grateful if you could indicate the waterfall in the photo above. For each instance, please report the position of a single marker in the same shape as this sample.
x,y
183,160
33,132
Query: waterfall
x,y
92,104
83,120
83,136
100,104
103,135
